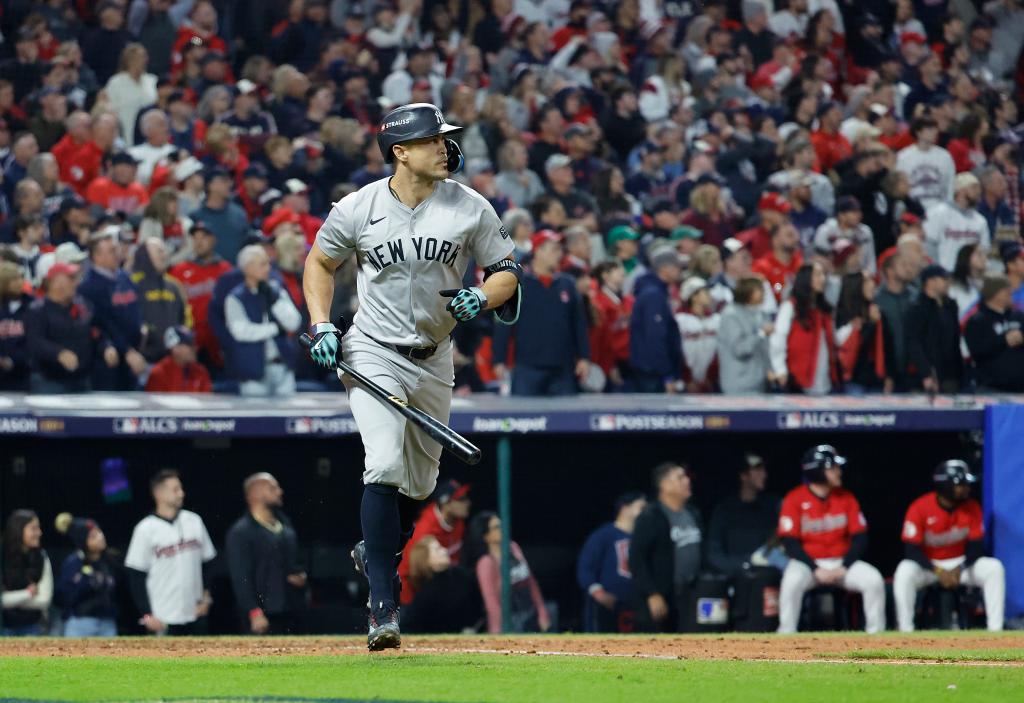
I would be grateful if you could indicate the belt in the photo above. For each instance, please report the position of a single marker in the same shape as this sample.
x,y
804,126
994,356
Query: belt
x,y
418,353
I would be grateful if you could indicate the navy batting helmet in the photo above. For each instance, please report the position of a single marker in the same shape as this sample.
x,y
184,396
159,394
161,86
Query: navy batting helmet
x,y
952,473
417,121
817,459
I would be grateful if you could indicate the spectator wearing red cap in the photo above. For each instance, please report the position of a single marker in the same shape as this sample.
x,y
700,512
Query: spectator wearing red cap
x,y
63,340
780,265
198,276
802,345
551,345
609,335
773,209
444,519
179,371
14,305
77,155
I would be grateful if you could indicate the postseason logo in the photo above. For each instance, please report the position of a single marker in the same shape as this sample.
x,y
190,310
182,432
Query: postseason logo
x,y
320,425
646,423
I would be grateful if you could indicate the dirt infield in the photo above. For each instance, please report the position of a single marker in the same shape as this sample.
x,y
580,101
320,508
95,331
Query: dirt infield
x,y
721,647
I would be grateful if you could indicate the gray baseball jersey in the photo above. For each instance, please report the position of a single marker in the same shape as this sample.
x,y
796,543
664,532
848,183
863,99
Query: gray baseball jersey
x,y
405,255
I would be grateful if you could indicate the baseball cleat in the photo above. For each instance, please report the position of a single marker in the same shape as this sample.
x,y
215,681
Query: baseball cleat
x,y
358,555
384,632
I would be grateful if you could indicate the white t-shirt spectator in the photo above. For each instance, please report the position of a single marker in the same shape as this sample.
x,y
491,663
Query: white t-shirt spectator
x,y
947,228
148,157
860,235
931,172
700,342
128,97
171,553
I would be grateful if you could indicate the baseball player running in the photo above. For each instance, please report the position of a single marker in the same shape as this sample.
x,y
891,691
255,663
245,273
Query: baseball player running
x,y
413,235
825,534
942,536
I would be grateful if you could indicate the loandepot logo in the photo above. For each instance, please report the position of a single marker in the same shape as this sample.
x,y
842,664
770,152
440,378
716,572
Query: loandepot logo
x,y
510,424
646,423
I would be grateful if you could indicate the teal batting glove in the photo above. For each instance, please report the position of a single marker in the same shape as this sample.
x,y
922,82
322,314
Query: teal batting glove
x,y
326,344
465,304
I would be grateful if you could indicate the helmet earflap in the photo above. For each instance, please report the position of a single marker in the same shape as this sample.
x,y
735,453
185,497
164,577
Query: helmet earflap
x,y
455,159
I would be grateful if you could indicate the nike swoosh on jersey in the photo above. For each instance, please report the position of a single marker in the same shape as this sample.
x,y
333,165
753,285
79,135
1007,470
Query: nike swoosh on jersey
x,y
373,222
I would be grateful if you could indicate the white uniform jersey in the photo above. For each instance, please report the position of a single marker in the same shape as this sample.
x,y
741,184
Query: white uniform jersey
x,y
931,173
947,229
171,553
405,256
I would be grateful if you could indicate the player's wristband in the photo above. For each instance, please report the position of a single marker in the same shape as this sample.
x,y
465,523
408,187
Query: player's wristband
x,y
321,327
256,613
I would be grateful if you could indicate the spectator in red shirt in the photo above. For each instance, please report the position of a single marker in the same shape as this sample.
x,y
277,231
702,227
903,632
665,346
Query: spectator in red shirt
x,y
77,155
198,276
830,146
825,535
179,372
118,191
296,199
609,337
443,519
779,266
942,537
201,29
774,210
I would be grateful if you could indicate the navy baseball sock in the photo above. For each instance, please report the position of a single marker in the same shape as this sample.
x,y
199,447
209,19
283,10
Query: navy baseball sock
x,y
382,531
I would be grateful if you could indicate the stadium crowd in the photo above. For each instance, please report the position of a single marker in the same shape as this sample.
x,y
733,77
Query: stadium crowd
x,y
739,196
759,563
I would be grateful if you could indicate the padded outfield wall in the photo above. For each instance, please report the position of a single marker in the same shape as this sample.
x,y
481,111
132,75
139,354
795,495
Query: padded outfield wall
x,y
92,455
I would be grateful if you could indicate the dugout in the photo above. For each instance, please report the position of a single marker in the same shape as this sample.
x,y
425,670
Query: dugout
x,y
562,461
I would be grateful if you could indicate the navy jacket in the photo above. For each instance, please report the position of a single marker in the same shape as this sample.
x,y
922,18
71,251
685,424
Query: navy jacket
x,y
246,361
51,328
605,560
115,305
552,327
86,589
655,346
14,344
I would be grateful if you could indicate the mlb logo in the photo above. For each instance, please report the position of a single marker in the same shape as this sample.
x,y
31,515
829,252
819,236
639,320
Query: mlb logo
x,y
126,425
604,423
300,425
790,421
712,611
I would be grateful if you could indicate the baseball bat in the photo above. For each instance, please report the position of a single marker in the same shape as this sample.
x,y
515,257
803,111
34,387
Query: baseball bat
x,y
448,438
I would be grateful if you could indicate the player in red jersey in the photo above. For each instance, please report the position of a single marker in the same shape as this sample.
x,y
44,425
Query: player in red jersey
x,y
942,536
825,534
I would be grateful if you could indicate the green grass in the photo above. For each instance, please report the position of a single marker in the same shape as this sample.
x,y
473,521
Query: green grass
x,y
499,679
943,655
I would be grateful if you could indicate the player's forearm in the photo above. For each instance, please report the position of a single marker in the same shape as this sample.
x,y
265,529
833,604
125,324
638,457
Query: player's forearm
x,y
498,288
318,288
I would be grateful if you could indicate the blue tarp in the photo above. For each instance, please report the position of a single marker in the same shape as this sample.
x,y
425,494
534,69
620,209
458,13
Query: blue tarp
x,y
1004,496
